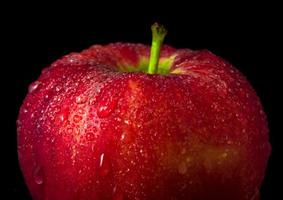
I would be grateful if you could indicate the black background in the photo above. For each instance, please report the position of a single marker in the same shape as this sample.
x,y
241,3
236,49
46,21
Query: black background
x,y
35,35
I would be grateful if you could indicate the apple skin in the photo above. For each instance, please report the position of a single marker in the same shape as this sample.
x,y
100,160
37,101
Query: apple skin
x,y
88,130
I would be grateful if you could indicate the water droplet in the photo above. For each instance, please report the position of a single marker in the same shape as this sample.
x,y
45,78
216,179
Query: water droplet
x,y
38,126
62,118
34,86
81,111
90,136
126,122
69,130
45,71
101,160
57,88
93,148
261,112
188,159
25,110
59,99
97,89
64,115
57,109
117,194
104,165
77,118
229,142
106,107
224,155
72,60
256,195
123,136
80,99
38,175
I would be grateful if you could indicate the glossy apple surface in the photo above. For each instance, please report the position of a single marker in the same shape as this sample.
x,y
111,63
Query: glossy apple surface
x,y
96,126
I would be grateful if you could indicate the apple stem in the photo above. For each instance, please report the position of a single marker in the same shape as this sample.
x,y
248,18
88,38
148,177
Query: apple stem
x,y
158,35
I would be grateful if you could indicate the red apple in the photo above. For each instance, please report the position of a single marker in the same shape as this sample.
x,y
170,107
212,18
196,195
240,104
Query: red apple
x,y
122,122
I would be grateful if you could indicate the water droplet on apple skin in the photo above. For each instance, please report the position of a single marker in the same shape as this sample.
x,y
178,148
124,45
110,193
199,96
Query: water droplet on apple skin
x,y
69,130
77,118
58,88
80,99
105,108
123,135
117,194
34,86
63,116
261,112
101,159
38,175
90,136
104,165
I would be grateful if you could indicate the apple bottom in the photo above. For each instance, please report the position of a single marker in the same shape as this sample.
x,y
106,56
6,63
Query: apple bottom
x,y
158,170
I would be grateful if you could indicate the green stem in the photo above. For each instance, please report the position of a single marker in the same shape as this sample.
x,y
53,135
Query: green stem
x,y
158,35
